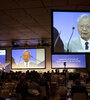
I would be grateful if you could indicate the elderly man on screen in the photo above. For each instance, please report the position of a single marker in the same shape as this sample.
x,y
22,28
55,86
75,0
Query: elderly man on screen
x,y
26,63
81,43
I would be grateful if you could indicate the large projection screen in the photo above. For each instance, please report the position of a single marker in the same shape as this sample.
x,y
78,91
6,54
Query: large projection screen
x,y
64,31
36,60
2,58
69,61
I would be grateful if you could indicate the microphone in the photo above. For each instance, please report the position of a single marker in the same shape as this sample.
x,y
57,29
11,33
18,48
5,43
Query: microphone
x,y
57,39
70,39
20,59
35,59
40,63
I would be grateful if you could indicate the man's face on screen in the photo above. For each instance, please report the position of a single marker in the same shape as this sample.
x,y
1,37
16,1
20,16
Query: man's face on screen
x,y
26,56
84,28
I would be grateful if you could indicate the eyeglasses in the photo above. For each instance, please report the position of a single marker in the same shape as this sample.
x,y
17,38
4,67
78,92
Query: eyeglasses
x,y
84,26
26,55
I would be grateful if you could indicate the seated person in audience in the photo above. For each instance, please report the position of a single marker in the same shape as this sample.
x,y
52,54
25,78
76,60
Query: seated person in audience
x,y
52,72
22,88
26,63
78,88
44,82
34,87
2,98
60,94
62,91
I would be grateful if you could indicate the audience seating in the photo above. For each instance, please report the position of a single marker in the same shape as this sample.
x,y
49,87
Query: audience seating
x,y
79,96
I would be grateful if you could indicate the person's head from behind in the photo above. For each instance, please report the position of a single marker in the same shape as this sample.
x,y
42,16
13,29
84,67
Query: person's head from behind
x,y
26,56
84,26
77,82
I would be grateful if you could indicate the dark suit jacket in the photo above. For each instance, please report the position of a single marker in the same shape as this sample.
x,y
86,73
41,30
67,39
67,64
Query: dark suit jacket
x,y
59,47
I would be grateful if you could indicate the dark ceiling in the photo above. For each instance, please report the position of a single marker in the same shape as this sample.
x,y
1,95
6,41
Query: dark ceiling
x,y
29,21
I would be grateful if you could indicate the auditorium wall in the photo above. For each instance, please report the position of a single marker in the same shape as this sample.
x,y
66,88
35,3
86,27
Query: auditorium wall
x,y
48,61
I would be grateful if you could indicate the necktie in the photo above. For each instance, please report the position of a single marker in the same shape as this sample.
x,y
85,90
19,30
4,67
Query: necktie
x,y
86,45
26,64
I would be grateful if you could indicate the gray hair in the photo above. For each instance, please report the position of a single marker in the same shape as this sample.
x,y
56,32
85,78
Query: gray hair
x,y
82,17
26,51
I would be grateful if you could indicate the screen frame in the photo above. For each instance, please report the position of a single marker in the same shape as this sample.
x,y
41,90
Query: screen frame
x,y
27,68
5,57
52,36
70,67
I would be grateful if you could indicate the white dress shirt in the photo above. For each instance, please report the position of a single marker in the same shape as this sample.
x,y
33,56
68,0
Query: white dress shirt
x,y
26,64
